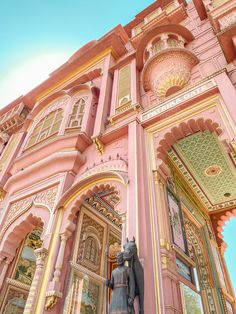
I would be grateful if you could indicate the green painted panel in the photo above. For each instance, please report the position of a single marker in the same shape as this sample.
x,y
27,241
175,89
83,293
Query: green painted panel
x,y
202,151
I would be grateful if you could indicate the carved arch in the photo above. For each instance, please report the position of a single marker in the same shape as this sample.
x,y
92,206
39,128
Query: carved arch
x,y
18,231
85,189
182,130
15,230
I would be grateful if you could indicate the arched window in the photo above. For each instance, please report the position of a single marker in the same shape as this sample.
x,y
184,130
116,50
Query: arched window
x,y
22,275
76,117
91,250
27,261
48,126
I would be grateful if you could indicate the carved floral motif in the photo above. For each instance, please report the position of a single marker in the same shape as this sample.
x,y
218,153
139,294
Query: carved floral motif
x,y
168,70
194,239
45,197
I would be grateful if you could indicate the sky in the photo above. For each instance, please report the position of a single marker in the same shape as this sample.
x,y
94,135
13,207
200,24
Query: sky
x,y
230,253
38,36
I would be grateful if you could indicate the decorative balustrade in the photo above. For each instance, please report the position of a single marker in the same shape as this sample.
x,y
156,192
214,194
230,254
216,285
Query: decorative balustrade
x,y
165,41
155,15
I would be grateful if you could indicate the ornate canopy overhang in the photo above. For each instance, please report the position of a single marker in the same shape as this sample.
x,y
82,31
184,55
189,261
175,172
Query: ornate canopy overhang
x,y
202,161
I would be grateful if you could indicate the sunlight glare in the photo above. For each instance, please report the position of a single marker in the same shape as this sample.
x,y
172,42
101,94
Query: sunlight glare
x,y
28,75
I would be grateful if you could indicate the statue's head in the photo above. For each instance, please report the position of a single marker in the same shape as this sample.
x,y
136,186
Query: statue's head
x,y
120,258
130,249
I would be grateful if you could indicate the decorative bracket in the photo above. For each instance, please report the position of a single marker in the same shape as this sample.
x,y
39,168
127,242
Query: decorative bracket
x,y
99,145
2,194
51,299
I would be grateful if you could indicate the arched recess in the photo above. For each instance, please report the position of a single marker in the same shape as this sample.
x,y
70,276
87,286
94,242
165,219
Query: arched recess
x,y
84,189
31,217
79,205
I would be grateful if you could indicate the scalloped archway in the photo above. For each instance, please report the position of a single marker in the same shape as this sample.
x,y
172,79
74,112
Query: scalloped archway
x,y
75,197
20,227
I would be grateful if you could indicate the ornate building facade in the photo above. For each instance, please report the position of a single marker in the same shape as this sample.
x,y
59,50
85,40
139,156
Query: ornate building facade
x,y
135,135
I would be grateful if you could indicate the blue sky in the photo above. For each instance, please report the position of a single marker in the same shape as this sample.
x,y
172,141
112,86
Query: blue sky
x,y
47,32
230,253
38,36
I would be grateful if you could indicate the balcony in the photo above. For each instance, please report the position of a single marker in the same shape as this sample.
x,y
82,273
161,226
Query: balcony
x,y
222,15
167,64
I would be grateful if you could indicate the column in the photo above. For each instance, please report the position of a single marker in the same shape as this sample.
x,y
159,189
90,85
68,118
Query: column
x,y
54,288
164,38
171,288
60,257
6,263
139,220
114,102
104,98
123,237
67,111
228,93
41,255
134,89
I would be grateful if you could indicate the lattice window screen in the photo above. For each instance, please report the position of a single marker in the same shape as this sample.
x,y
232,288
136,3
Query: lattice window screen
x,y
49,125
124,86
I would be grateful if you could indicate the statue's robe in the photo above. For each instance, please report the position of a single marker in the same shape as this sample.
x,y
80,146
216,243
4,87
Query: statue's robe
x,y
123,284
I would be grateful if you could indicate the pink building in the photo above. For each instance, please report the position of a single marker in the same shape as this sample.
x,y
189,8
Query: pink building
x,y
135,135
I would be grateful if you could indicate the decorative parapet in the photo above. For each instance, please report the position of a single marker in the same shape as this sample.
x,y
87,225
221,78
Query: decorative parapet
x,y
174,12
13,119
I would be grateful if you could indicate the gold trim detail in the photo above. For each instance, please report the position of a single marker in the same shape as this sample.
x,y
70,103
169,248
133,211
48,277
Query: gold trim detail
x,y
99,145
2,194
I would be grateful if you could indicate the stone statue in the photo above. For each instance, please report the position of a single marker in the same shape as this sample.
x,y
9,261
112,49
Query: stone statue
x,y
123,285
131,255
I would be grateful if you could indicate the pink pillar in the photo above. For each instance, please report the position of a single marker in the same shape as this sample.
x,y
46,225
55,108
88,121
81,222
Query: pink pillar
x,y
228,94
133,197
172,301
104,98
41,255
114,93
138,212
60,257
134,89
54,288
6,263
67,110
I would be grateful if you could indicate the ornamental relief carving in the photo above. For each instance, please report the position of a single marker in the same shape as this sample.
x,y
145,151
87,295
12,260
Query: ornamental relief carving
x,y
171,69
227,20
195,245
90,250
110,163
46,197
